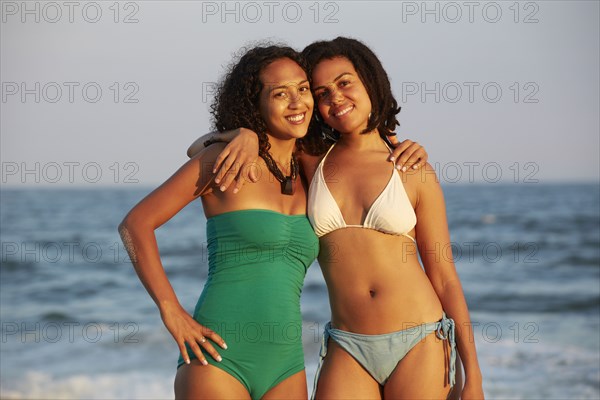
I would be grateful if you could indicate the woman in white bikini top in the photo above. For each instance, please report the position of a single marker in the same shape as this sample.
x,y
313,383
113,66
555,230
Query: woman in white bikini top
x,y
385,306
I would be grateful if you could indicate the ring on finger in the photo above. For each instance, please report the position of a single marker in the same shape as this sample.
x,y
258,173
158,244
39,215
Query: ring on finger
x,y
202,339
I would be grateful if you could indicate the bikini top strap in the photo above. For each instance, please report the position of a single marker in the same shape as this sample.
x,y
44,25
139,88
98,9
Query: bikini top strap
x,y
326,154
387,145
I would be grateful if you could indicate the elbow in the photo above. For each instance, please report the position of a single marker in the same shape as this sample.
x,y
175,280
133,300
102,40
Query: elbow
x,y
136,222
125,223
128,224
193,149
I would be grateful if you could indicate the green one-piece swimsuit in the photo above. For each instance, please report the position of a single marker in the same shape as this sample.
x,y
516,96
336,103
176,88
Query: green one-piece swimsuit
x,y
257,261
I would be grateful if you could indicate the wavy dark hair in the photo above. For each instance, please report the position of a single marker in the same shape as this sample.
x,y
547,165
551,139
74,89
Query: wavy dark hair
x,y
374,78
237,101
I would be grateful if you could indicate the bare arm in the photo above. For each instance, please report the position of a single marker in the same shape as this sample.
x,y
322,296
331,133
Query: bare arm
x,y
214,137
433,241
137,231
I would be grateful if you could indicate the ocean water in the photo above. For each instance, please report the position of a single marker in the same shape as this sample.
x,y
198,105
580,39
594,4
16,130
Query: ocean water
x,y
76,322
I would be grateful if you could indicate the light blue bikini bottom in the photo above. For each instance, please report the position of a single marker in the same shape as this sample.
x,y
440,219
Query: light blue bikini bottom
x,y
380,354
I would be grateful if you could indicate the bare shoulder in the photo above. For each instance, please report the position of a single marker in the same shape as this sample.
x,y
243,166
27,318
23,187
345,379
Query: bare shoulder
x,y
424,177
421,184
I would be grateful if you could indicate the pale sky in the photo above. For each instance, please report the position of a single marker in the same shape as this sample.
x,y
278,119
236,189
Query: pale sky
x,y
488,88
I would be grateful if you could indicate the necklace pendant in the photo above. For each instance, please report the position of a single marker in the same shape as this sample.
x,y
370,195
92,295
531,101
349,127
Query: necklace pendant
x,y
287,186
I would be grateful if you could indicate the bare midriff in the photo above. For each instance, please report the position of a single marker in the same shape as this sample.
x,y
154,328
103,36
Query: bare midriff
x,y
375,281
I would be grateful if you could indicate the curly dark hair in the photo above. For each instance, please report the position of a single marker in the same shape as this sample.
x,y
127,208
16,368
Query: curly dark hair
x,y
373,76
237,101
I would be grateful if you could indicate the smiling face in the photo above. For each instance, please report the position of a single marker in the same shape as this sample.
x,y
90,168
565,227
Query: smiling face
x,y
342,98
286,103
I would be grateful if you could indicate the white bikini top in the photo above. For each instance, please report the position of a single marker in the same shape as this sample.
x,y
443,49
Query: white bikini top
x,y
390,213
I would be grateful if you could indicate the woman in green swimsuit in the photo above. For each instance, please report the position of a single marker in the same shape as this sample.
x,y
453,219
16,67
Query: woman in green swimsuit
x,y
260,243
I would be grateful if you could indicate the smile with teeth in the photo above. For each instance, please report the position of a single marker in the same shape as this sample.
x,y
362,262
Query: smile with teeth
x,y
344,111
295,118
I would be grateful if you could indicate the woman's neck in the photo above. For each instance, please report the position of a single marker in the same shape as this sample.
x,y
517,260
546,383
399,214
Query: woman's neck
x,y
281,150
360,141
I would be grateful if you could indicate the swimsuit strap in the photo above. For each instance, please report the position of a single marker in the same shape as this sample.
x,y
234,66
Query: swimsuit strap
x,y
327,153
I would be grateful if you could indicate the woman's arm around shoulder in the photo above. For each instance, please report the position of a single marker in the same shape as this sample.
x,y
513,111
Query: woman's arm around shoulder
x,y
235,161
